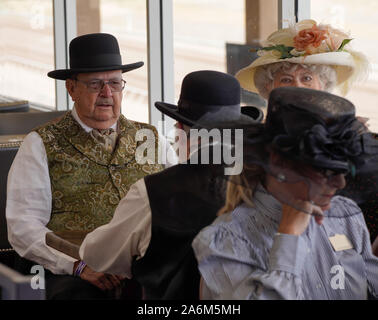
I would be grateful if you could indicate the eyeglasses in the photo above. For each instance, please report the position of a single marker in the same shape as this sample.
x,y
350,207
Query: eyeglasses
x,y
96,85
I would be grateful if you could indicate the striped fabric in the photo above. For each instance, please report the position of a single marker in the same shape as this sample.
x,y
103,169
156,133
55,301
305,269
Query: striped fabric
x,y
241,256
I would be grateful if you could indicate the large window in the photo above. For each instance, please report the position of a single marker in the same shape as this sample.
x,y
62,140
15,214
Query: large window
x,y
27,51
360,19
207,34
219,35
126,20
202,30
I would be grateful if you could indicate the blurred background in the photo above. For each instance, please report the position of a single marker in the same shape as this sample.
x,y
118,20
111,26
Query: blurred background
x,y
206,34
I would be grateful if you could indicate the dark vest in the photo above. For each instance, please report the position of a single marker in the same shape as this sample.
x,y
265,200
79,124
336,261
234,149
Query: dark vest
x,y
183,200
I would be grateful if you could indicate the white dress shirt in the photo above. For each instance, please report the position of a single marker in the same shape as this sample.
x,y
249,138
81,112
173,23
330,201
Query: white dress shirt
x,y
29,199
128,234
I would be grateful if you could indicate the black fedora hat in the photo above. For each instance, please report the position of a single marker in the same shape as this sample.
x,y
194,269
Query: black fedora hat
x,y
210,96
93,52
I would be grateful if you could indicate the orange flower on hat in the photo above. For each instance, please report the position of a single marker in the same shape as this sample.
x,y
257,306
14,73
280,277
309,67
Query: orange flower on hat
x,y
309,39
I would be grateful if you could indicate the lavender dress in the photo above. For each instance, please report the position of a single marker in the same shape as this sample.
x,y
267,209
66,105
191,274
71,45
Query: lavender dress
x,y
241,256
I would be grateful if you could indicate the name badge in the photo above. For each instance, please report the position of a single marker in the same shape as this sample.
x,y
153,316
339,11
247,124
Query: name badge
x,y
340,242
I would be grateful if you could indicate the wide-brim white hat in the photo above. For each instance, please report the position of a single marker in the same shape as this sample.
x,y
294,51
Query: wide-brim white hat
x,y
348,64
343,63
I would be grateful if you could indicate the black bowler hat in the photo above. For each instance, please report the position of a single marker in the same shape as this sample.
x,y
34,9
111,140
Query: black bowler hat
x,y
210,96
94,52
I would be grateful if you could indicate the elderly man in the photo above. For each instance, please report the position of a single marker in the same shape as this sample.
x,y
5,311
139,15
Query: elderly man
x,y
70,174
150,235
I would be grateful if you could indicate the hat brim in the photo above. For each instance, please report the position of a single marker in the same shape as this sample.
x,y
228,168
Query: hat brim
x,y
63,74
342,61
249,115
172,111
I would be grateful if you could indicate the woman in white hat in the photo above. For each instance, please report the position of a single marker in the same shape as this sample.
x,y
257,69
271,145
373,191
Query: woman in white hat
x,y
319,57
304,55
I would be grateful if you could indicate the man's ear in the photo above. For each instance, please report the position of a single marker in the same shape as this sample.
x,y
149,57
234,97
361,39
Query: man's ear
x,y
70,86
179,125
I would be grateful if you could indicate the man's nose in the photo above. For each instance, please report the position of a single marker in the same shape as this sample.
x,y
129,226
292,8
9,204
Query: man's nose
x,y
106,91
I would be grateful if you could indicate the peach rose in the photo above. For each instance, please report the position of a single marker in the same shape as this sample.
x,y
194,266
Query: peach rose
x,y
335,38
307,38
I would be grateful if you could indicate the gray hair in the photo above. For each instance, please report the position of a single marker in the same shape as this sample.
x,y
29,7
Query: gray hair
x,y
264,75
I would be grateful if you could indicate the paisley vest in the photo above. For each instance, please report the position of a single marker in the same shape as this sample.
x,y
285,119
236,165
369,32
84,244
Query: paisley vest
x,y
87,182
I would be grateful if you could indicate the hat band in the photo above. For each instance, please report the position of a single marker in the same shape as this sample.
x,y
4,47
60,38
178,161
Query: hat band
x,y
194,110
99,60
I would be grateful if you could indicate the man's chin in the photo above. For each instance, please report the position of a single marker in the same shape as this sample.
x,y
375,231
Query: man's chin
x,y
104,121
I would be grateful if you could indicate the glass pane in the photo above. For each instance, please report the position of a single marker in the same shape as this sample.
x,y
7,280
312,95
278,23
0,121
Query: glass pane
x,y
27,51
126,20
202,30
360,19
219,35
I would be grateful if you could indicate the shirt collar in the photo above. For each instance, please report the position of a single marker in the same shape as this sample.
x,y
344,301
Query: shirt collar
x,y
267,204
83,125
